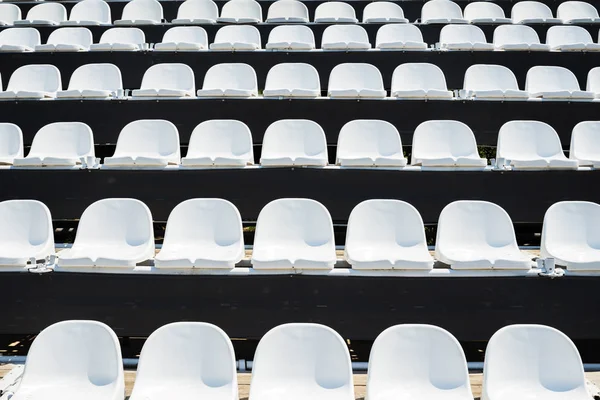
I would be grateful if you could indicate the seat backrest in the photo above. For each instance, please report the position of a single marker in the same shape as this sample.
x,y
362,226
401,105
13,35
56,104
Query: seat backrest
x,y
71,139
169,76
571,224
528,139
412,356
382,9
443,138
92,10
294,137
483,9
9,13
370,137
569,10
385,223
153,137
80,36
473,224
48,11
440,9
195,354
515,34
519,353
29,37
230,76
593,80
292,33
489,77
461,34
238,34
355,76
186,34
529,9
585,141
96,76
546,79
201,9
118,222
391,33
344,34
27,223
286,9
293,76
560,35
334,9
42,77
143,9
321,366
242,9
11,141
123,35
221,136
83,354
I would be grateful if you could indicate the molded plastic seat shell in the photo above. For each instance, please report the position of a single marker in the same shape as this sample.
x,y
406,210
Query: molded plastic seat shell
x,y
577,12
34,81
492,82
93,81
229,80
141,12
292,80
241,12
236,37
196,12
482,12
399,37
294,142
335,12
92,12
120,39
167,80
67,39
464,37
356,80
518,38
47,13
554,83
287,11
442,12
533,12
570,38
11,143
19,40
420,81
345,37
383,12
183,38
585,144
290,37
9,13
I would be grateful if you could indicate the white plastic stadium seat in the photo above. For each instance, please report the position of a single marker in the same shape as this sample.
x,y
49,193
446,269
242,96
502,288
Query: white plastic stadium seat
x,y
345,37
335,12
533,12
89,12
47,13
492,82
186,360
570,235
383,12
463,37
73,360
518,38
183,38
577,12
9,13
196,12
482,12
289,37
531,145
400,37
554,83
202,233
386,234
111,233
11,143
229,80
146,142
570,38
442,12
287,11
585,144
294,142
321,368
478,235
26,232
220,143
19,39
356,80
292,80
417,362
518,365
444,143
236,37
120,39
167,80
35,81
141,12
67,39
369,143
419,81
241,12
59,144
